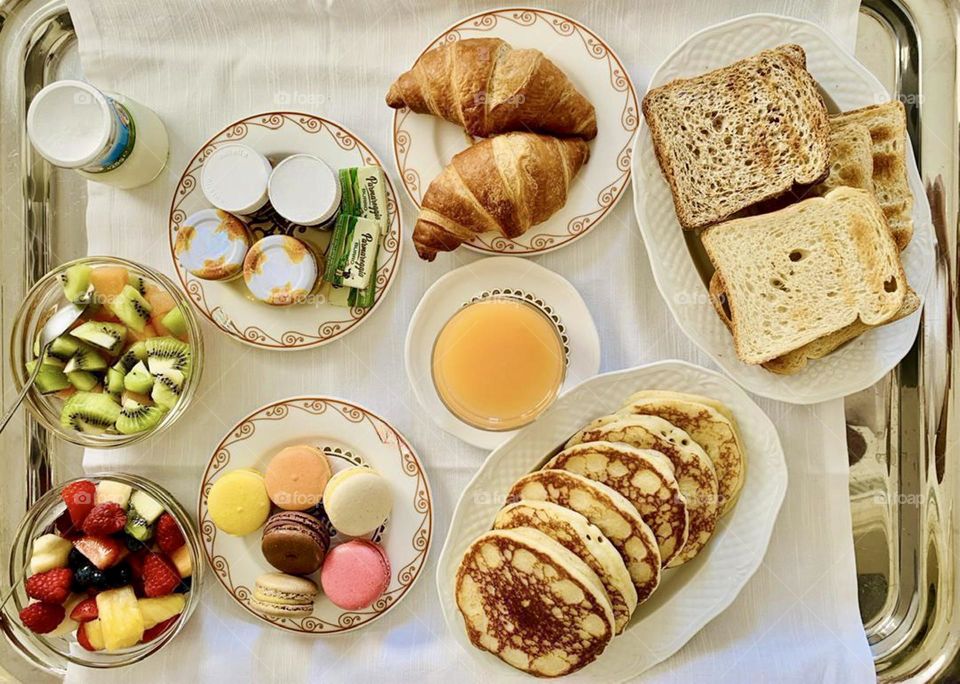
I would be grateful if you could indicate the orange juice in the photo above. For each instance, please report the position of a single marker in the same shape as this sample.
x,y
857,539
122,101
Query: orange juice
x,y
498,363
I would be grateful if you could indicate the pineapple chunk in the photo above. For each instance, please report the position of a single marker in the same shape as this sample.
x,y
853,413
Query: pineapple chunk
x,y
109,491
120,618
94,632
156,610
181,559
49,551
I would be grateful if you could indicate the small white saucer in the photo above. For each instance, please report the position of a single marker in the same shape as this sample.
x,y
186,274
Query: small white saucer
x,y
549,292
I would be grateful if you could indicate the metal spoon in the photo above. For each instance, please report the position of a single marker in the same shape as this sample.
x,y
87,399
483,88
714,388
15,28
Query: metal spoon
x,y
58,324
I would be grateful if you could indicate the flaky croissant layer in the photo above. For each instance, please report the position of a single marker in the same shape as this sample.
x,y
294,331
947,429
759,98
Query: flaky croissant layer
x,y
504,184
488,87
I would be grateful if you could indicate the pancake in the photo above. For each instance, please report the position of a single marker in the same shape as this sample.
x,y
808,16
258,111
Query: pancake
x,y
586,541
644,477
708,427
532,603
616,517
691,466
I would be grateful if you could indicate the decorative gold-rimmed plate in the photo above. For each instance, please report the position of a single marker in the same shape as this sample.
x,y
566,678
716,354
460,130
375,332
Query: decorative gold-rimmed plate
x,y
229,306
349,435
424,144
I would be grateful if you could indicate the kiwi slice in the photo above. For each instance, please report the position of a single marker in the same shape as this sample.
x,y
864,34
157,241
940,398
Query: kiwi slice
x,y
49,379
85,359
168,353
76,280
167,387
135,352
114,381
83,380
138,283
131,308
63,347
89,412
109,336
135,417
138,379
175,322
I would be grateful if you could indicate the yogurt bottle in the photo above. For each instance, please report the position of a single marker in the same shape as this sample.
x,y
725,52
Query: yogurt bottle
x,y
110,139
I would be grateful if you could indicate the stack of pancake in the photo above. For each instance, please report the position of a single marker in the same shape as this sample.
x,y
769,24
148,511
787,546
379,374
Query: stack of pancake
x,y
583,541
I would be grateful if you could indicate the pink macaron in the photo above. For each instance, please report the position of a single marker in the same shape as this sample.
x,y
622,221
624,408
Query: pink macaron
x,y
355,574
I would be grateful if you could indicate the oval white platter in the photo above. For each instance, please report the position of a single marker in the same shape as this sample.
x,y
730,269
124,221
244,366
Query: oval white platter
x,y
689,596
349,435
541,287
424,144
849,85
229,306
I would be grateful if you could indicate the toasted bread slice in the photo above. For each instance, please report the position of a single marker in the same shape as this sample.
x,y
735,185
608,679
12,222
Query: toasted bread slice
x,y
532,603
644,477
691,466
795,361
851,159
586,541
739,135
887,124
811,269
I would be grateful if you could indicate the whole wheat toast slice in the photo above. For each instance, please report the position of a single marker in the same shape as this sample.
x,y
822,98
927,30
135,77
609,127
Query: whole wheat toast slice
x,y
739,135
795,361
887,124
811,269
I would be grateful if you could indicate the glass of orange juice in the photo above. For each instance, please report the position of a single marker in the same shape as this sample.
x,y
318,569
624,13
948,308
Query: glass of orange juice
x,y
498,363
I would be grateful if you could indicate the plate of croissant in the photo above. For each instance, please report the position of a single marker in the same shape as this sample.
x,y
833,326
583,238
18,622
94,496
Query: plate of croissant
x,y
512,133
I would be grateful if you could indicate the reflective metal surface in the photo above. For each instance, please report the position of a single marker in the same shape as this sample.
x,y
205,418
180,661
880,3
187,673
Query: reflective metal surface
x,y
902,433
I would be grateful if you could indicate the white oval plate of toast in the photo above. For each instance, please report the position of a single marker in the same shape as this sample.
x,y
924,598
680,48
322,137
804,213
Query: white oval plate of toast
x,y
689,596
849,85
424,144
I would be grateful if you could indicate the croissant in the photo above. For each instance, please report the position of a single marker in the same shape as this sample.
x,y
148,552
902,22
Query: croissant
x,y
488,87
505,184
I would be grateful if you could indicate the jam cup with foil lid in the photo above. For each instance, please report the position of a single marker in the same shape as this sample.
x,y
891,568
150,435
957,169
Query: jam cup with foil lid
x,y
212,244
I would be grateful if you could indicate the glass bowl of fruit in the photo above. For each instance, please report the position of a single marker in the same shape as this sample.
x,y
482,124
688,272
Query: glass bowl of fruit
x,y
106,570
128,366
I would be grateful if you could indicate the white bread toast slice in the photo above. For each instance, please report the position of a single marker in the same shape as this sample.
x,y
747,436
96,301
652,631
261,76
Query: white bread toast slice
x,y
736,136
887,124
793,362
851,159
811,269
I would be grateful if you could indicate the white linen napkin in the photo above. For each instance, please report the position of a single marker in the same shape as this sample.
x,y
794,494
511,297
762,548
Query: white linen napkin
x,y
202,65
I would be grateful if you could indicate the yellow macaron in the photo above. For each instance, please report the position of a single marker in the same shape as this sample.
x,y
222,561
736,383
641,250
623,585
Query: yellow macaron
x,y
238,502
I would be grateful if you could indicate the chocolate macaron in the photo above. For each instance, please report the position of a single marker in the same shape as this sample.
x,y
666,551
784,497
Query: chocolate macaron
x,y
295,543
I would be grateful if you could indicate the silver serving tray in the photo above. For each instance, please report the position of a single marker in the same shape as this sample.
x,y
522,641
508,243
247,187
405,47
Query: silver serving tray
x,y
902,436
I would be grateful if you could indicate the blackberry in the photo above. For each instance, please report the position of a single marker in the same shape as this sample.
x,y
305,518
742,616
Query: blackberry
x,y
76,560
89,576
118,576
183,587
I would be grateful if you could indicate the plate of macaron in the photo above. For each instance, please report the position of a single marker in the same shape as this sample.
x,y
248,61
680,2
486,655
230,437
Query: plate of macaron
x,y
315,515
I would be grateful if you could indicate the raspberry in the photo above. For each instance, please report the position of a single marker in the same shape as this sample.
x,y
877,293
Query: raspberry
x,y
167,534
41,618
159,577
85,611
52,586
104,519
79,498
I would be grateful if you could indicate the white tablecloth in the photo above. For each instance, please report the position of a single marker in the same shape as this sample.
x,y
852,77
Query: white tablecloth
x,y
202,65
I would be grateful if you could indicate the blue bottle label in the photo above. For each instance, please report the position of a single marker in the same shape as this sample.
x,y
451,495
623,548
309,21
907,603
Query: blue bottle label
x,y
121,145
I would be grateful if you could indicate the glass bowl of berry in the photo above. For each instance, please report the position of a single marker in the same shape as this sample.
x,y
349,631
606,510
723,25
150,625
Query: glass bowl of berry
x,y
106,570
128,366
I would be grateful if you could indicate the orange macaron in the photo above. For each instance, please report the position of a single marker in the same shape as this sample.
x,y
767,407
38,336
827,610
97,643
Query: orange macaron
x,y
296,477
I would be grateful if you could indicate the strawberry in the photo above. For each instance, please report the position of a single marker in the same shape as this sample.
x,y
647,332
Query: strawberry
x,y
41,618
85,611
52,586
158,629
167,534
135,561
159,576
101,551
105,518
83,639
79,498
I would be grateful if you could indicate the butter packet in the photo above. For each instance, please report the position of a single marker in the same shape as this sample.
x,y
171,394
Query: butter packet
x,y
352,254
363,194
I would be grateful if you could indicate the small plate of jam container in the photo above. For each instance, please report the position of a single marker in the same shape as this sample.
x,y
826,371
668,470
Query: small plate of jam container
x,y
493,344
106,569
349,225
109,139
337,499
